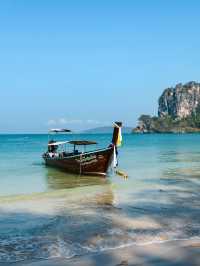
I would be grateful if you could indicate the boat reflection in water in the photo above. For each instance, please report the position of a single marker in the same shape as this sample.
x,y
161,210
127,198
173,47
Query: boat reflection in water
x,y
99,190
57,179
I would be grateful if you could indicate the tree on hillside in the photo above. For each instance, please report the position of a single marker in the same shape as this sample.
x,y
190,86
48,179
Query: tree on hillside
x,y
145,121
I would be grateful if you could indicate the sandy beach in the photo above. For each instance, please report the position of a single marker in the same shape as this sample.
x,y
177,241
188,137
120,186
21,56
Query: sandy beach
x,y
186,252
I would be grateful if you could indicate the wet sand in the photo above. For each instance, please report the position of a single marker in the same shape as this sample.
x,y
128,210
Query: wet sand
x,y
179,253
62,205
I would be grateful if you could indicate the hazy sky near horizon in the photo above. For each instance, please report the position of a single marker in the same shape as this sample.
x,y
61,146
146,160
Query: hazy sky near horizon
x,y
83,64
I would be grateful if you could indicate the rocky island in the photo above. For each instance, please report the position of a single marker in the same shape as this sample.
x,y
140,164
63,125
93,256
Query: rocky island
x,y
178,111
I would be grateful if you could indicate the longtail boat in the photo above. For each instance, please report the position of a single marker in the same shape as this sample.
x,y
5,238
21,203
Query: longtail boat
x,y
94,162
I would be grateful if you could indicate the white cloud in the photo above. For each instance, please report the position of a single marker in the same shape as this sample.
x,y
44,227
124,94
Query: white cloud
x,y
90,121
51,122
64,121
76,121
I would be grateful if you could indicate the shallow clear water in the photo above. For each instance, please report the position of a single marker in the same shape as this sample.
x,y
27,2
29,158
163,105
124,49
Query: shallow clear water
x,y
47,213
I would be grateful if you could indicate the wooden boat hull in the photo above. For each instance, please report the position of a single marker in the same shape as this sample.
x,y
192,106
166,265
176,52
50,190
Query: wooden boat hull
x,y
88,163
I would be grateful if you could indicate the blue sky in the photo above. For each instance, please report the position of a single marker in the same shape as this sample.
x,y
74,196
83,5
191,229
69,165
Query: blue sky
x,y
82,64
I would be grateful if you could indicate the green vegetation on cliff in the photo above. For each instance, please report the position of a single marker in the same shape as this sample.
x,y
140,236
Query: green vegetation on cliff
x,y
148,124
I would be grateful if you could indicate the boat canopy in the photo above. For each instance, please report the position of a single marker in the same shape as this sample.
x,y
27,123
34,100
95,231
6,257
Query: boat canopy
x,y
82,142
57,143
59,130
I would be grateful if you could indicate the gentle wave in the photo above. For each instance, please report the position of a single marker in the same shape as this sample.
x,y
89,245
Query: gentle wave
x,y
22,248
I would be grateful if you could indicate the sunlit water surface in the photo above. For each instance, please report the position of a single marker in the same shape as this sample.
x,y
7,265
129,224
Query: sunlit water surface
x,y
47,213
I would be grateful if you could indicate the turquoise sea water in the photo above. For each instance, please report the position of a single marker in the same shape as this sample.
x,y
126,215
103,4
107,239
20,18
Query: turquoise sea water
x,y
47,213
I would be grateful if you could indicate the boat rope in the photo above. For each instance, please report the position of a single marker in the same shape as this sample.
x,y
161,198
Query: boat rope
x,y
80,170
121,173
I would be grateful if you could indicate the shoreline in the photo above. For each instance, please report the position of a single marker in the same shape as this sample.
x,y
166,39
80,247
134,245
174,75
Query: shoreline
x,y
174,252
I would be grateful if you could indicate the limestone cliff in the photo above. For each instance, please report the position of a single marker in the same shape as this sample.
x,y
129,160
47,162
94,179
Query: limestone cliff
x,y
181,101
178,111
